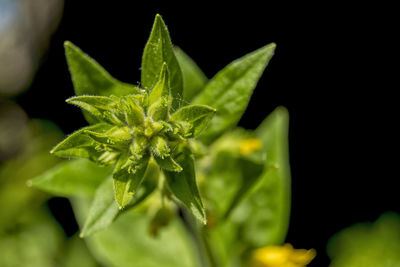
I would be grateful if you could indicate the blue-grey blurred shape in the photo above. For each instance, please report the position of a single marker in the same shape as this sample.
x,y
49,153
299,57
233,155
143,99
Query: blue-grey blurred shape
x,y
25,30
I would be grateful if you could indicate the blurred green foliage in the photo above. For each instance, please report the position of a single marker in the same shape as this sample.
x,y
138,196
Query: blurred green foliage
x,y
367,244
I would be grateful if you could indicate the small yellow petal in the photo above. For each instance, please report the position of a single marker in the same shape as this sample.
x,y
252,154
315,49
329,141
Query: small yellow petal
x,y
281,256
249,146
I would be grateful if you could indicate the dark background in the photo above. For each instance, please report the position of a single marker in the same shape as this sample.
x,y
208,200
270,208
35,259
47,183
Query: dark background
x,y
331,70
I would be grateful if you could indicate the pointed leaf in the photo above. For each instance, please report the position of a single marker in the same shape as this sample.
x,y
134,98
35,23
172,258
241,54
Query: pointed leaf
x,y
78,177
104,210
98,106
89,78
127,180
230,90
168,164
114,136
79,144
194,80
157,51
197,116
183,185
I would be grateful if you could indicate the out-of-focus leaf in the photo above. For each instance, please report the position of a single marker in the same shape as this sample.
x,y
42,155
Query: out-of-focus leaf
x,y
33,160
78,255
367,244
265,213
261,215
183,185
89,78
194,79
127,242
230,89
157,51
196,116
78,177
35,240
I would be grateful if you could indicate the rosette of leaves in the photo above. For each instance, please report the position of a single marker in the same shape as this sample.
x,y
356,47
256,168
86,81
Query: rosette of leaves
x,y
141,135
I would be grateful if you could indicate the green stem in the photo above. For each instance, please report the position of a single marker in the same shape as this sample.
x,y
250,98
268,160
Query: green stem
x,y
200,238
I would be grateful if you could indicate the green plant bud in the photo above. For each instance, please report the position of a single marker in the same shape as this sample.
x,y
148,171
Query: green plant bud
x,y
108,158
159,109
134,114
159,147
139,145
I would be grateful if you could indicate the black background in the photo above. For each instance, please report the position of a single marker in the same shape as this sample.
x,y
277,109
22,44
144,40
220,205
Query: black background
x,y
331,70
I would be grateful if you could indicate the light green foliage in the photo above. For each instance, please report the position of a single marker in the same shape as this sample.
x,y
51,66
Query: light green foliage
x,y
230,89
65,179
78,255
250,205
367,244
127,242
159,51
194,79
265,213
36,241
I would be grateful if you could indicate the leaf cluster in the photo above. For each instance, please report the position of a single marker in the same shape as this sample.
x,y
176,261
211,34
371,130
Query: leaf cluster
x,y
152,153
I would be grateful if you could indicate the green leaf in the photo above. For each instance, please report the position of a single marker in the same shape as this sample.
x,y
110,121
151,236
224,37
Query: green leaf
x,y
89,78
230,90
268,220
104,210
127,242
127,180
197,116
183,185
78,177
157,51
114,136
76,254
194,80
168,164
96,105
79,144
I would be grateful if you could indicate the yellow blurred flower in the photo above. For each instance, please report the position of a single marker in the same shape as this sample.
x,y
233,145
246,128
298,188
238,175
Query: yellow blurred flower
x,y
248,146
282,256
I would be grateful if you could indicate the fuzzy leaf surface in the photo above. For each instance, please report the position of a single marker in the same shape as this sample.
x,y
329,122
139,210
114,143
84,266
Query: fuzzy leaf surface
x,y
79,144
196,116
158,50
126,183
89,78
229,91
